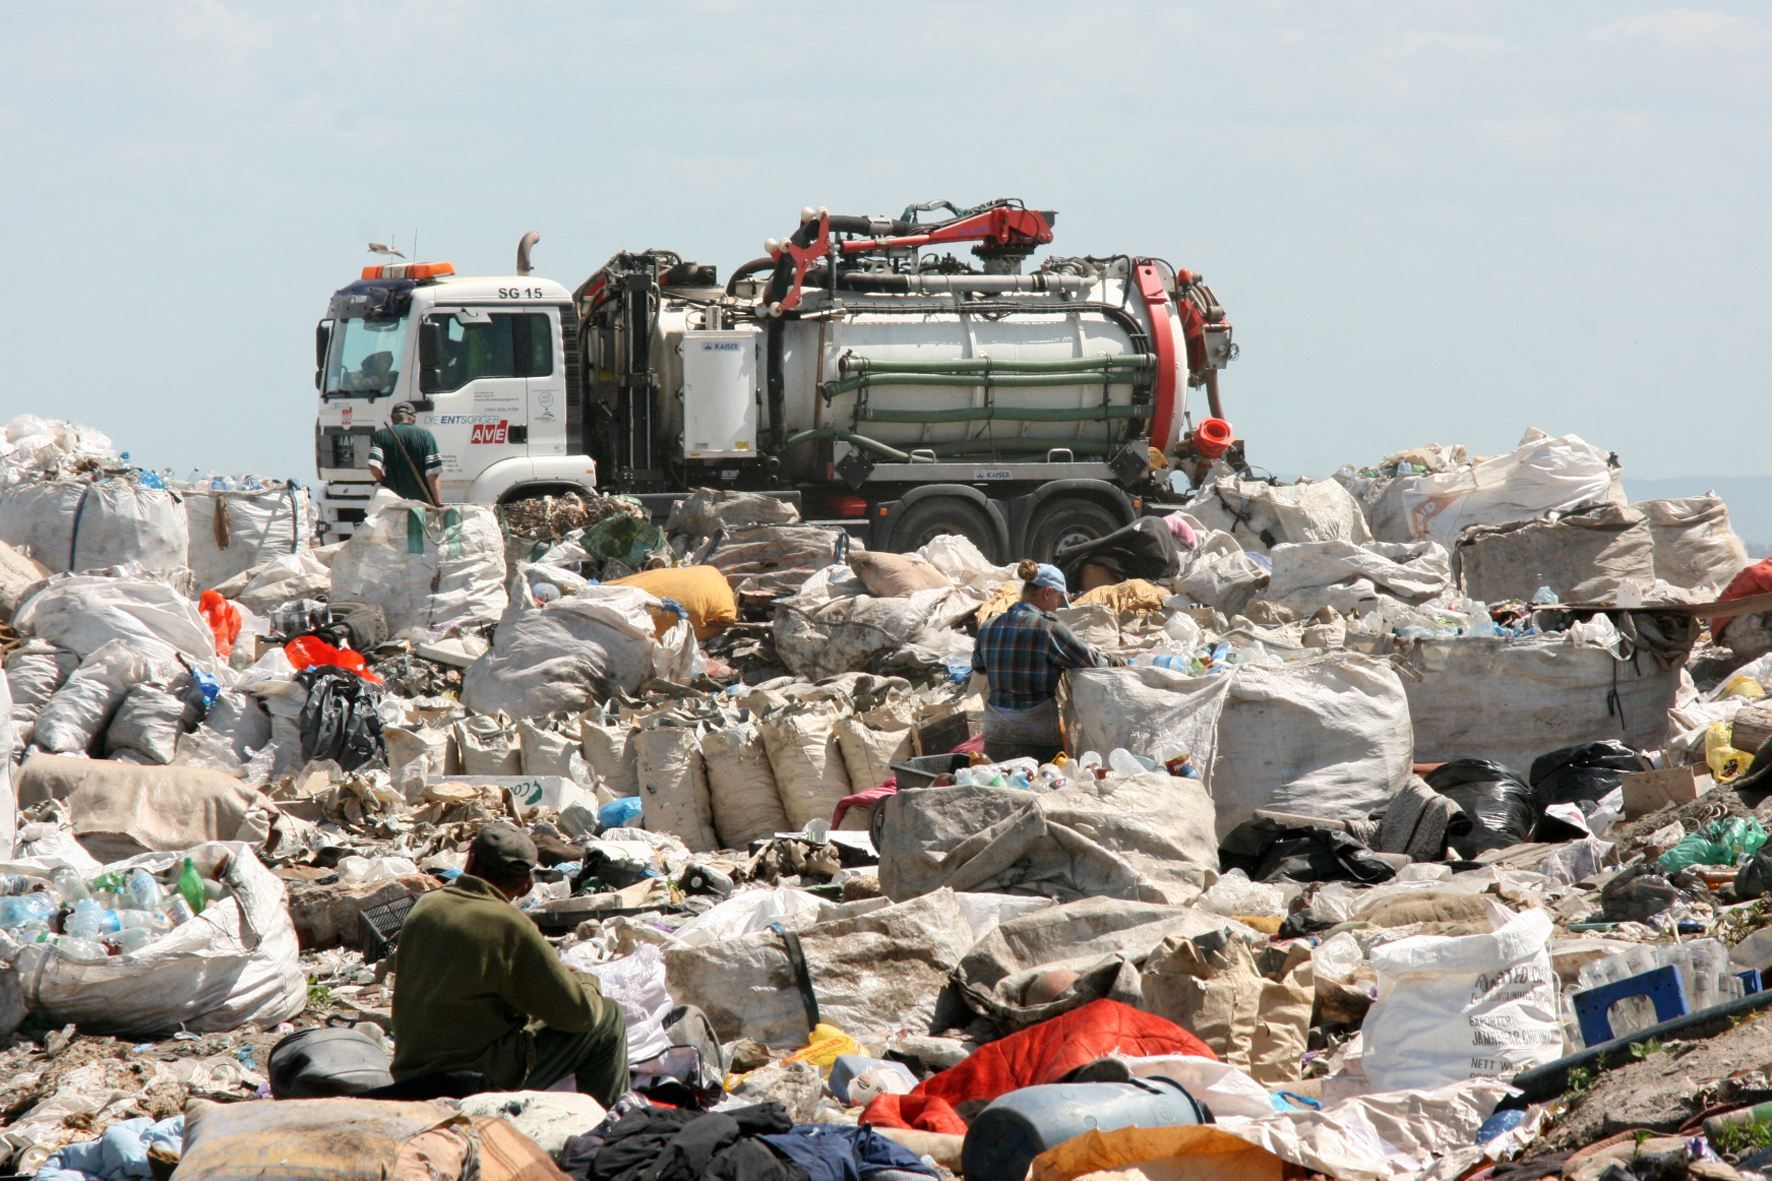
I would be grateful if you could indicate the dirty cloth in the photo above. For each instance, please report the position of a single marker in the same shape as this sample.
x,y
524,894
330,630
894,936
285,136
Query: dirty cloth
x,y
833,1152
121,1154
1144,549
670,1144
1042,1054
471,974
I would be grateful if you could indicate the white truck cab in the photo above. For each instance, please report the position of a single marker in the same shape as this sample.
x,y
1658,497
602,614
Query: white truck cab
x,y
489,363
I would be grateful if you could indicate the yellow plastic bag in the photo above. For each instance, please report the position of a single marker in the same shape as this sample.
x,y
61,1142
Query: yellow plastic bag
x,y
1744,686
1726,762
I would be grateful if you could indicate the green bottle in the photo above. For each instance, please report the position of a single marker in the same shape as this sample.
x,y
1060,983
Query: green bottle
x,y
190,887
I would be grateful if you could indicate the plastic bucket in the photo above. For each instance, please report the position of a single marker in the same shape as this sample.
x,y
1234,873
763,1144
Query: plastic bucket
x,y
1006,1137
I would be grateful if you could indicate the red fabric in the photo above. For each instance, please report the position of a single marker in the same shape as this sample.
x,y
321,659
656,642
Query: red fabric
x,y
223,619
1755,580
972,746
864,799
306,651
1041,1054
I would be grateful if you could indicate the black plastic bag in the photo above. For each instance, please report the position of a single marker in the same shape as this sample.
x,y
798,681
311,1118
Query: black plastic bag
x,y
1143,549
1270,850
1578,775
1497,800
339,721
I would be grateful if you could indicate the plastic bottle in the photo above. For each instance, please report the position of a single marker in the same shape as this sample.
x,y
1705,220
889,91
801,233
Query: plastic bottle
x,y
14,883
141,891
1123,762
179,911
21,910
190,888
90,920
1182,632
69,883
75,948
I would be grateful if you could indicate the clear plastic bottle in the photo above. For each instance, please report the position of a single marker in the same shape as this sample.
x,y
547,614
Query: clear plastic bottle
x,y
90,921
14,883
72,888
1123,762
21,910
75,948
141,891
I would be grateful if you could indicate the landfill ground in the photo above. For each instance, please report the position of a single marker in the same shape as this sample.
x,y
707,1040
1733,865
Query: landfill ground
x,y
1410,826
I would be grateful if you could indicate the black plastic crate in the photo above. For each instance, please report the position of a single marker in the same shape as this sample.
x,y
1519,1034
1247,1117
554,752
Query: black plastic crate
x,y
380,926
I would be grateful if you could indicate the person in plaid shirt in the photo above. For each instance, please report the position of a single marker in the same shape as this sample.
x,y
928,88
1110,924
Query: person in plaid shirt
x,y
1022,652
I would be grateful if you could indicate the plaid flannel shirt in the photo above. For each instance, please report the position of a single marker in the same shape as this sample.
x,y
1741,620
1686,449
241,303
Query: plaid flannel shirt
x,y
1023,651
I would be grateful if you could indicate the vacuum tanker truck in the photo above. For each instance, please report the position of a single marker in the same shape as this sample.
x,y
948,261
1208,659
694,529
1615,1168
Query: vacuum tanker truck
x,y
858,366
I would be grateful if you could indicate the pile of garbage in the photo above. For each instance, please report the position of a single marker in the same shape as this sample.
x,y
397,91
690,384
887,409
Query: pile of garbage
x,y
1411,825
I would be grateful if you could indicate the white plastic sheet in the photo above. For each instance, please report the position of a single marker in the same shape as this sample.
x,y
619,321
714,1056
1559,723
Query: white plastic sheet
x,y
575,650
1543,475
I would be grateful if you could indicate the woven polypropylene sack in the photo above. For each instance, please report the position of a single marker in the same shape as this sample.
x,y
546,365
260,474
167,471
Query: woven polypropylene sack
x,y
745,799
232,532
72,525
426,568
674,785
807,759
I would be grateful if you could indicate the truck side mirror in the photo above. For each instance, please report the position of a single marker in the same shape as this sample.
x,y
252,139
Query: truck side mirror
x,y
322,338
430,356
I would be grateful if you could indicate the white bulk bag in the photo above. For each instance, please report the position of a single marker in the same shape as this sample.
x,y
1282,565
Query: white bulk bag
x,y
1511,700
1327,736
1695,546
1260,515
1544,475
428,569
235,963
1452,1008
81,709
83,612
590,643
73,525
232,532
1350,578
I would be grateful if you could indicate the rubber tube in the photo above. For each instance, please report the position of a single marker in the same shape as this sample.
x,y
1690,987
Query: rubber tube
x,y
854,440
745,271
1552,1079
1006,413
1008,381
1142,362
1040,282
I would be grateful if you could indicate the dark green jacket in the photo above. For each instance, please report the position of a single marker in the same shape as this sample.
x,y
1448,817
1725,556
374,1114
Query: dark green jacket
x,y
472,973
407,456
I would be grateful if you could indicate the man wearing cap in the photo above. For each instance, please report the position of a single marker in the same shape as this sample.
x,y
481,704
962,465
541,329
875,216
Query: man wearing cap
x,y
477,988
404,459
1022,653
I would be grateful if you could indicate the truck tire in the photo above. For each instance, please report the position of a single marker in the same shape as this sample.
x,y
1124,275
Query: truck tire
x,y
1066,522
928,519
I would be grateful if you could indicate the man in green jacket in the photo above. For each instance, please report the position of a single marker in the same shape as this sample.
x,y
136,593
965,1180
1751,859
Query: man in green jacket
x,y
477,988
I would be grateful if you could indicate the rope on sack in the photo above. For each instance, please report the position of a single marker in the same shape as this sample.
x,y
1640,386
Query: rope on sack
x,y
74,536
802,973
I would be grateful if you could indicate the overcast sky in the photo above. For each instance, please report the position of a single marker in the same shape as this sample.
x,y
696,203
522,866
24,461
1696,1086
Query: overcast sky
x,y
1427,224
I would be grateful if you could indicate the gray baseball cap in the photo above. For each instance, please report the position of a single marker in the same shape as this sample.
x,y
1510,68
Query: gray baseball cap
x,y
504,848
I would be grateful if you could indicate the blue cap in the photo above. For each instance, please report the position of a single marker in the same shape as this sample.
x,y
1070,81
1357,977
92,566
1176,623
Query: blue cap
x,y
1050,576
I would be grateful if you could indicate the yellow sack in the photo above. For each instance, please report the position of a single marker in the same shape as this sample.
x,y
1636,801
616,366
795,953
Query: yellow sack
x,y
702,590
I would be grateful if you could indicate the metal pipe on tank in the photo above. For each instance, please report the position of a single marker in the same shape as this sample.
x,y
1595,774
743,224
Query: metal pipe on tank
x,y
1041,282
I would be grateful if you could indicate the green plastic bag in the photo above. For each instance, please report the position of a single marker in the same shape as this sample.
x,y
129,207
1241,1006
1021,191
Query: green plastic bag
x,y
1721,842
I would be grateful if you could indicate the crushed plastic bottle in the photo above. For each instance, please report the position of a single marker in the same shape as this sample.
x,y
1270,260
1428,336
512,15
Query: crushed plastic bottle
x,y
72,888
90,921
24,909
142,891
14,883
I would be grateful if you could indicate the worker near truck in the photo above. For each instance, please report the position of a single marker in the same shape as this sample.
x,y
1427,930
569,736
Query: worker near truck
x,y
1022,653
404,458
477,988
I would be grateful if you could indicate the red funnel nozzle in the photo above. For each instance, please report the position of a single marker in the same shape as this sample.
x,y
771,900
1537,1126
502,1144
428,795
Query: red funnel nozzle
x,y
1212,437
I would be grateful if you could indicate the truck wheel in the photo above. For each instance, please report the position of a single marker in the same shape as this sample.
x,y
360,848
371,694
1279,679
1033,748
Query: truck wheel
x,y
928,519
1068,522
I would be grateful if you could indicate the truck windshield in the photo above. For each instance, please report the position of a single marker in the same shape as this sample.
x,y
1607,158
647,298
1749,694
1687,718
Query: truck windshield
x,y
364,358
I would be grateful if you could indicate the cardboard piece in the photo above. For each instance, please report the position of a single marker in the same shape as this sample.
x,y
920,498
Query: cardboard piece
x,y
1645,791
